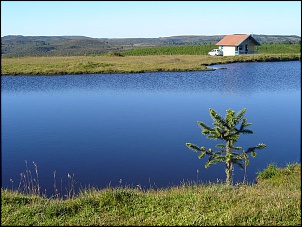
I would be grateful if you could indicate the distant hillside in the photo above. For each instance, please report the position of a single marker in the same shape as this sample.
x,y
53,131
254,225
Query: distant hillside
x,y
19,46
12,46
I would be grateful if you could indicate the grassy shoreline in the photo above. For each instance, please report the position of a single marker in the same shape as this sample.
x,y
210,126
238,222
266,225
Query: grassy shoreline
x,y
127,64
275,200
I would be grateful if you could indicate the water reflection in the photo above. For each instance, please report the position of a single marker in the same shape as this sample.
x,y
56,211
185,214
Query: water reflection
x,y
238,78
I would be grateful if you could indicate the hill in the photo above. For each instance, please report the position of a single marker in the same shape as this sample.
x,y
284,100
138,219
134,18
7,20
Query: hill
x,y
20,46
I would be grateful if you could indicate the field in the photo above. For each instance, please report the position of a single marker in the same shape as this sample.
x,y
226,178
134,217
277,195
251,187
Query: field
x,y
275,200
204,49
155,59
126,64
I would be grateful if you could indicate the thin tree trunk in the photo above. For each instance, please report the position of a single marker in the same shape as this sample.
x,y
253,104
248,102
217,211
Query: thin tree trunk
x,y
229,165
228,171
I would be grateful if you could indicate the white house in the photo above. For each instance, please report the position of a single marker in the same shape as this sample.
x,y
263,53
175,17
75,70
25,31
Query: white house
x,y
237,44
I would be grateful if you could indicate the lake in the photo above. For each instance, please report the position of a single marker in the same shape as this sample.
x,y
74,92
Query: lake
x,y
131,129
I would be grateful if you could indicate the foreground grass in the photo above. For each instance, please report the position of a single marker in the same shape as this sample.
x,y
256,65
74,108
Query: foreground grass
x,y
274,201
127,64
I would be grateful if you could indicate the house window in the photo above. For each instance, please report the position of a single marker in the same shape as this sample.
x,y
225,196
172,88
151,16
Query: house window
x,y
221,47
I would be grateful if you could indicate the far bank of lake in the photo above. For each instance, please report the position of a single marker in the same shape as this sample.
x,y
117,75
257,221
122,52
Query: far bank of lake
x,y
127,64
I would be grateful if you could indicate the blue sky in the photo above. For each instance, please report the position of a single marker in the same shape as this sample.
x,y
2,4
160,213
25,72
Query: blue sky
x,y
149,19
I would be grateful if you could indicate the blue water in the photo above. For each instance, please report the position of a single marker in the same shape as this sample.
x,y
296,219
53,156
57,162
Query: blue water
x,y
131,129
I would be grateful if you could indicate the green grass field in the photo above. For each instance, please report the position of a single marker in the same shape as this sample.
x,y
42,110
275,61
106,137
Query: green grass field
x,y
174,58
204,49
127,64
275,200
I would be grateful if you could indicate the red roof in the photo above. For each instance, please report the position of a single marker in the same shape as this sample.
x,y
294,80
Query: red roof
x,y
235,40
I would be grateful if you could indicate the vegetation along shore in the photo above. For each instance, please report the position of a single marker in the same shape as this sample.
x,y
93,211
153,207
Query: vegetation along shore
x,y
274,200
151,59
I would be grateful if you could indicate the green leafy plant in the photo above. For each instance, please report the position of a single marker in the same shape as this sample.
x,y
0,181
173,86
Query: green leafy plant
x,y
226,129
269,172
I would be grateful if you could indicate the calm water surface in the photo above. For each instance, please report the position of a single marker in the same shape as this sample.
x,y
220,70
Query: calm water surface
x,y
131,129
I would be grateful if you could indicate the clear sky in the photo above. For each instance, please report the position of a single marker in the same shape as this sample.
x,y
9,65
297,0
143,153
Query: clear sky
x,y
149,19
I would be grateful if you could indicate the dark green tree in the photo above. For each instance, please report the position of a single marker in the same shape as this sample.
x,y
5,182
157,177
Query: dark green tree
x,y
226,129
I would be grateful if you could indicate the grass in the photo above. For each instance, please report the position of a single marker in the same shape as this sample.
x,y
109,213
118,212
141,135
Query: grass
x,y
117,63
171,50
275,200
204,49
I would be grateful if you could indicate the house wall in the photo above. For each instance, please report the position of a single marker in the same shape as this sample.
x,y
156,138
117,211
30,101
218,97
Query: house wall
x,y
251,46
228,50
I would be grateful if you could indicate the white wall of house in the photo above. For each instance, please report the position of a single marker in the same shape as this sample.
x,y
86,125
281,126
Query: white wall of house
x,y
228,50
